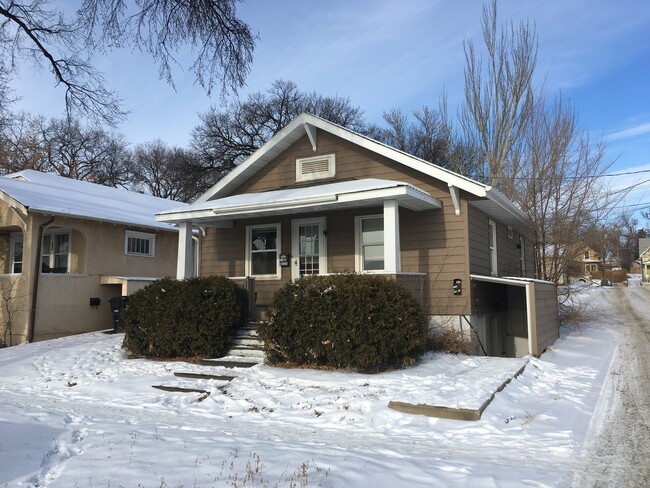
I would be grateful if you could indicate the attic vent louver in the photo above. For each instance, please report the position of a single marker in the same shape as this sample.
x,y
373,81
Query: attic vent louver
x,y
315,168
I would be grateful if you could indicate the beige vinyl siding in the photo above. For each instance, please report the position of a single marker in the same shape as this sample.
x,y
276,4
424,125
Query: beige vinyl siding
x,y
546,316
508,255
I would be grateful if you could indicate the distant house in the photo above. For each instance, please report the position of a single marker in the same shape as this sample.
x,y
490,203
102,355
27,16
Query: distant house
x,y
67,246
318,198
590,261
644,259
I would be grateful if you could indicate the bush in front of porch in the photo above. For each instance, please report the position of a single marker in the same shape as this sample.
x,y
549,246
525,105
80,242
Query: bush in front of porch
x,y
181,319
364,322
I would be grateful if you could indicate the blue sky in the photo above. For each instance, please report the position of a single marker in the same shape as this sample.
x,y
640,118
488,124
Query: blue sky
x,y
388,54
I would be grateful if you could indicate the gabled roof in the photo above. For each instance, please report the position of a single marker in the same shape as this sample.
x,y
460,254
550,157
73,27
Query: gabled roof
x,y
33,191
491,201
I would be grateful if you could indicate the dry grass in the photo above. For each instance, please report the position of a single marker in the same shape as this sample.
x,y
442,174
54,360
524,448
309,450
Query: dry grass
x,y
452,341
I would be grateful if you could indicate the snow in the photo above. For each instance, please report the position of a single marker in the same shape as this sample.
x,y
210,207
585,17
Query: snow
x,y
53,194
78,412
318,193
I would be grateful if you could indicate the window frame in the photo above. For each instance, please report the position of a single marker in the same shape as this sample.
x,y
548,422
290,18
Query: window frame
x,y
359,245
50,252
522,255
13,239
249,251
145,236
330,173
492,248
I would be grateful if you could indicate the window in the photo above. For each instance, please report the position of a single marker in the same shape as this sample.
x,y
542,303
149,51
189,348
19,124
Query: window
x,y
16,243
492,236
315,168
139,244
55,253
262,251
586,254
370,243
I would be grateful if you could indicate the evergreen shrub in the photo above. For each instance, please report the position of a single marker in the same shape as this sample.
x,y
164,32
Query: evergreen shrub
x,y
364,322
193,317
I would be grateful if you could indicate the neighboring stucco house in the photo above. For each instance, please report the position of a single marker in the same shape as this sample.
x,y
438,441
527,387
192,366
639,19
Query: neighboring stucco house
x,y
318,198
68,246
644,259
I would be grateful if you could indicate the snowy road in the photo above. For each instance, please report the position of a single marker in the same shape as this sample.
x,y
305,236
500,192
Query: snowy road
x,y
620,454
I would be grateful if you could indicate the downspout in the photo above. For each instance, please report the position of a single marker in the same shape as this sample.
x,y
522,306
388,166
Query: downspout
x,y
37,269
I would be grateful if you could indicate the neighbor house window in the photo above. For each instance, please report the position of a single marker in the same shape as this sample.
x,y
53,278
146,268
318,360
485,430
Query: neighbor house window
x,y
55,253
370,243
262,251
139,244
492,236
315,168
16,243
586,254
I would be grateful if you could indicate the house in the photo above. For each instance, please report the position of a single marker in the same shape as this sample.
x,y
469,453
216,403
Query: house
x,y
644,259
589,260
318,198
68,246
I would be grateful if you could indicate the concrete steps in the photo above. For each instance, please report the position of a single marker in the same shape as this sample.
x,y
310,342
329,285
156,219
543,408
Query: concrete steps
x,y
246,343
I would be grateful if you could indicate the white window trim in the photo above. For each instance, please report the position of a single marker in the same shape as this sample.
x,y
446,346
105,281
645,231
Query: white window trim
x,y
13,238
248,266
52,232
330,173
358,254
140,235
492,229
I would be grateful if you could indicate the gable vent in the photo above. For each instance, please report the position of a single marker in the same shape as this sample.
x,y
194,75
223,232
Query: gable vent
x,y
315,168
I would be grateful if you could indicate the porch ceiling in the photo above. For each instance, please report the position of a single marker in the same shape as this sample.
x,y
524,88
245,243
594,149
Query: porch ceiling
x,y
333,196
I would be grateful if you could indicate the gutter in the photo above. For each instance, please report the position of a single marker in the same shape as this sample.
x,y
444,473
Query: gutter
x,y
37,270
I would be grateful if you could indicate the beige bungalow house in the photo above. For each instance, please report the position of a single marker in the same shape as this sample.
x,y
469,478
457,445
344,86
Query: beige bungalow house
x,y
318,198
68,246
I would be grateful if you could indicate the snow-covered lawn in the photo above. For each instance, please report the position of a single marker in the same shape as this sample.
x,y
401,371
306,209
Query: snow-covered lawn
x,y
78,412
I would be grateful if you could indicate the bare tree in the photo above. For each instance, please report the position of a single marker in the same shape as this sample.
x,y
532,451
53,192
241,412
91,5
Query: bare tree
x,y
68,148
10,306
498,91
228,136
560,187
41,32
168,172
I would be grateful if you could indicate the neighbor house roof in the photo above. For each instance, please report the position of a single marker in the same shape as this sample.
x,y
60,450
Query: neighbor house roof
x,y
34,191
490,200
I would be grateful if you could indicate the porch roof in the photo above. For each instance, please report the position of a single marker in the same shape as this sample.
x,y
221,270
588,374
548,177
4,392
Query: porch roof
x,y
332,196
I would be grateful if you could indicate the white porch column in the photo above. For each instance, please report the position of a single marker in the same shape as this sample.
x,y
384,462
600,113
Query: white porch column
x,y
184,264
391,236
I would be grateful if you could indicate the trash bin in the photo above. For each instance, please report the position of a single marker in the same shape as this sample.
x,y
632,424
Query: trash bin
x,y
118,306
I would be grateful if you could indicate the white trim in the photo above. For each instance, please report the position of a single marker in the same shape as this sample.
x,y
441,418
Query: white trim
x,y
391,237
454,191
184,253
522,255
492,236
145,236
248,251
295,251
358,251
312,133
317,175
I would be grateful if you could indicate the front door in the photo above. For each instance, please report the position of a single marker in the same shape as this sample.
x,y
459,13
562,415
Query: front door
x,y
308,247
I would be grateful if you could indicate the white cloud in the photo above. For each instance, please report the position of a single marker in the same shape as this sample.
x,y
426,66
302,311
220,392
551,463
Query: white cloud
x,y
635,131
